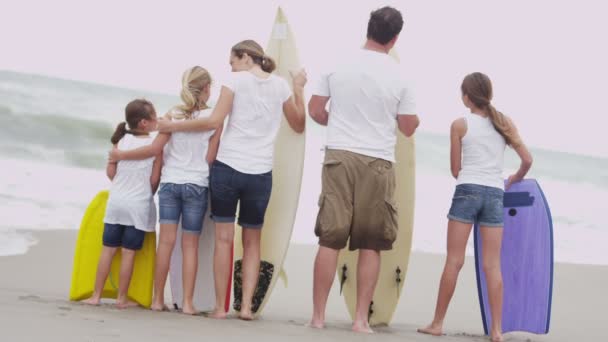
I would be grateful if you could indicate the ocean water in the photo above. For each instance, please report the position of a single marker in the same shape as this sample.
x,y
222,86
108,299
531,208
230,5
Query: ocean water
x,y
54,138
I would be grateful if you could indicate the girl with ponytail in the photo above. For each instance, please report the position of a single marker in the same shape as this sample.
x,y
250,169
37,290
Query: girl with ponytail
x,y
255,99
130,211
478,141
184,184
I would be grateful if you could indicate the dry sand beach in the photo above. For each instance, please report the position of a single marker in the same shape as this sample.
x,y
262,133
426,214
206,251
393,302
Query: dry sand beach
x,y
34,307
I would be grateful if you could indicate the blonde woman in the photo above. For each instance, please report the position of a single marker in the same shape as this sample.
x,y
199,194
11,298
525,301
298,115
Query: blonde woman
x,y
184,184
242,173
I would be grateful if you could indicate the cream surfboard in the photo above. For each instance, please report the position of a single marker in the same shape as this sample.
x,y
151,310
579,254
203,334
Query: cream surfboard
x,y
286,180
394,263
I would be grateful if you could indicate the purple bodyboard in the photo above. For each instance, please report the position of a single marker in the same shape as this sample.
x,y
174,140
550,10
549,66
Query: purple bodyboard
x,y
526,262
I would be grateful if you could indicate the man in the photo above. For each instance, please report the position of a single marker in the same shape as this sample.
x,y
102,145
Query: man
x,y
369,99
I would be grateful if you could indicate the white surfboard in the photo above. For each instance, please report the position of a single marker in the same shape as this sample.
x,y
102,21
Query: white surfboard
x,y
204,290
286,174
393,263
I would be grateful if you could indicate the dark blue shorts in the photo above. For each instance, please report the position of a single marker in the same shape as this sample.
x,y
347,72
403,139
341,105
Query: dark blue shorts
x,y
479,204
230,187
118,235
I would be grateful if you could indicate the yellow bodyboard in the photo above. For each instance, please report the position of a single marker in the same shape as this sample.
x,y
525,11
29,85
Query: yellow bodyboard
x,y
88,252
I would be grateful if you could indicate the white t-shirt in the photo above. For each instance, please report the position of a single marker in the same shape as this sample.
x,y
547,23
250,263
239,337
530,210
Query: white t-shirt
x,y
367,92
131,201
184,156
248,141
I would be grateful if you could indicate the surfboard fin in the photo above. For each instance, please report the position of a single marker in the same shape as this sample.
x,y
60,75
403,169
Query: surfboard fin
x,y
398,280
283,276
343,277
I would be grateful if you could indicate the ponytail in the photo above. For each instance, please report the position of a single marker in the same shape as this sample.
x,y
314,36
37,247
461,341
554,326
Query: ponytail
x,y
194,82
503,126
268,64
119,133
255,51
135,111
478,88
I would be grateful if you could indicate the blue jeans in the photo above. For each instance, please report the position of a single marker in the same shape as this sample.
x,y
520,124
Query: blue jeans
x,y
118,235
229,187
188,201
479,204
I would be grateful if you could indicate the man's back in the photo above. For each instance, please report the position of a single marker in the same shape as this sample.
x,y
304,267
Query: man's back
x,y
367,92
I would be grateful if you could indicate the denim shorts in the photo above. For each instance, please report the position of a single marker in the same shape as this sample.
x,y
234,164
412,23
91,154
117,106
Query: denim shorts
x,y
478,204
229,187
119,235
188,201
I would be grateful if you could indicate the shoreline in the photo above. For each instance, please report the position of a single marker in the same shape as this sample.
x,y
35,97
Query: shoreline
x,y
29,237
35,286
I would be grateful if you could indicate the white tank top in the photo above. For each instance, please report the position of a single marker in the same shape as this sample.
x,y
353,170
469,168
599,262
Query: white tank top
x,y
131,201
482,153
185,155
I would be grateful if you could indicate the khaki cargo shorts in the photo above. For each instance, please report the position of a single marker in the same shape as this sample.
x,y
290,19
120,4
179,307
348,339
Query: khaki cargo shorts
x,y
357,201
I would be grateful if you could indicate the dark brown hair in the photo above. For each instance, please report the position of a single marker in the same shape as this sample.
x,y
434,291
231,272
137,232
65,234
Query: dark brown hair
x,y
255,51
478,88
135,111
384,25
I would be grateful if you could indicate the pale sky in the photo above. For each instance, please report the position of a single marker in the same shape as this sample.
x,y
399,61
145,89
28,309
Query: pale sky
x,y
547,59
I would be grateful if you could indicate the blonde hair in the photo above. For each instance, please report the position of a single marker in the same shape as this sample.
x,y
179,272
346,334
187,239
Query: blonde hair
x,y
194,81
255,51
478,88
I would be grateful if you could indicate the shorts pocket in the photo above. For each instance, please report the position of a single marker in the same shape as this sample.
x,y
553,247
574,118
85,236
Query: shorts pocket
x,y
391,224
331,162
318,225
220,184
164,188
193,192
381,166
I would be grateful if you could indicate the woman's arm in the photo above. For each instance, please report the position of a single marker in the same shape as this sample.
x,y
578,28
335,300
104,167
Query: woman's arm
x,y
525,156
214,145
294,108
221,110
156,168
144,152
111,168
457,131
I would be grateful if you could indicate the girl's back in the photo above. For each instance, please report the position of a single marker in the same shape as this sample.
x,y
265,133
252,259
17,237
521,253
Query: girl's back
x,y
185,155
131,199
482,153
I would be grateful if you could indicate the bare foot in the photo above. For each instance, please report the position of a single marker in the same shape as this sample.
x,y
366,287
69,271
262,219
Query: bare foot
x,y
189,309
431,330
315,324
218,314
496,337
92,301
126,304
362,328
159,307
246,315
